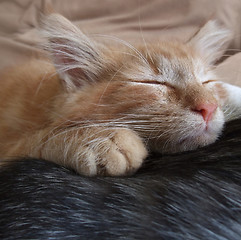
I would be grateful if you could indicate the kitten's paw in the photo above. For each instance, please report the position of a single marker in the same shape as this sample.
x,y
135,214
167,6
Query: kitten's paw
x,y
125,155
121,153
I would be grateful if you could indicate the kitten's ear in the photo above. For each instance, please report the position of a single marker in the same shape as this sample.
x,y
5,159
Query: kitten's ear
x,y
77,59
211,41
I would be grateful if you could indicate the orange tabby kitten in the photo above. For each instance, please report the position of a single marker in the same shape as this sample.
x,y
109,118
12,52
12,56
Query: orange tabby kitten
x,y
100,110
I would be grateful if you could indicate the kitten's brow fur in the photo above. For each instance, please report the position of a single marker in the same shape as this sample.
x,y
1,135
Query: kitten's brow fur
x,y
99,109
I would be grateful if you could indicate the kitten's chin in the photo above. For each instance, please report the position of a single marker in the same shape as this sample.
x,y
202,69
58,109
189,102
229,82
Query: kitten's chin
x,y
186,144
192,143
192,140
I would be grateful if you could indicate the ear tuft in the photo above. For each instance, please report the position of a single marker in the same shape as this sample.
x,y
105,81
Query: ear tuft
x,y
211,41
77,58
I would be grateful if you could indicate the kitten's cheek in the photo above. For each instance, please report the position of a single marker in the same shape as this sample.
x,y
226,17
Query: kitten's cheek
x,y
217,122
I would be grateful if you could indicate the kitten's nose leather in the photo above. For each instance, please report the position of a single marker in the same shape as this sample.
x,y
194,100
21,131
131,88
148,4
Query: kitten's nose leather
x,y
206,110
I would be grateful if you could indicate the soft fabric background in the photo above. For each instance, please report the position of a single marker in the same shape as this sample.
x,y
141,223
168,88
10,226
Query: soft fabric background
x,y
132,20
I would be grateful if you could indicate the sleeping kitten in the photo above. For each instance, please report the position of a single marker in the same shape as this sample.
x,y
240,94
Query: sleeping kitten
x,y
107,107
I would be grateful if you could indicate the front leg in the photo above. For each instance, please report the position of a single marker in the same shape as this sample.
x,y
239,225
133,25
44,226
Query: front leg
x,y
230,100
94,151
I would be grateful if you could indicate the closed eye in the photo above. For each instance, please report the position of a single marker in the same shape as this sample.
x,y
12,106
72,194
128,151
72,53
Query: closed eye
x,y
155,82
208,81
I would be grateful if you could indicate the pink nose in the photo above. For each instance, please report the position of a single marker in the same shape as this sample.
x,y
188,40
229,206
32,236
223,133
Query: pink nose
x,y
206,110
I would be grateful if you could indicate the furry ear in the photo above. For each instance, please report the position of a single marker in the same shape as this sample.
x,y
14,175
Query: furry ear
x,y
77,59
211,41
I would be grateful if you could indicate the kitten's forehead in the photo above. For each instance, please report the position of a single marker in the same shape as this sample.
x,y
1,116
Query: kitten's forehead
x,y
174,63
184,70
174,70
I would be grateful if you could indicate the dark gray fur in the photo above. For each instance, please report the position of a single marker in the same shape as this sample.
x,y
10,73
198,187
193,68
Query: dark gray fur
x,y
194,195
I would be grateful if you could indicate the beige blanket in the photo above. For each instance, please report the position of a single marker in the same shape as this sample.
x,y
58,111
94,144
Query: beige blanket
x,y
132,20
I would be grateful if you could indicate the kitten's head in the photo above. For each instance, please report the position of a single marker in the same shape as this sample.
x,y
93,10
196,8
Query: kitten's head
x,y
166,92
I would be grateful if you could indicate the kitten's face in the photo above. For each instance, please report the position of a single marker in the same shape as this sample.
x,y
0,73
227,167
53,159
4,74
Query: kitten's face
x,y
165,93
167,98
